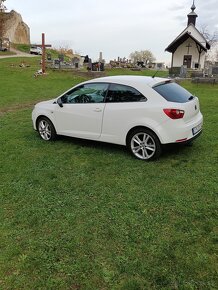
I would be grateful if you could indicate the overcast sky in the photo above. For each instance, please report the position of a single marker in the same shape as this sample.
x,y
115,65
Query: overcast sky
x,y
115,27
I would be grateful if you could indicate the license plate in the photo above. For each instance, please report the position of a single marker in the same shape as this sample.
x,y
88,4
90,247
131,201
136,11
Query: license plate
x,y
196,129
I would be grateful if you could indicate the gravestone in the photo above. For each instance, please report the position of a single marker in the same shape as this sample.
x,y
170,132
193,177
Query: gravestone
x,y
48,56
215,70
61,57
86,59
210,71
100,57
56,63
90,64
97,66
183,71
75,62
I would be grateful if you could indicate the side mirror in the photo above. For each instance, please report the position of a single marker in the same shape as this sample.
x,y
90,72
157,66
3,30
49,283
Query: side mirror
x,y
59,101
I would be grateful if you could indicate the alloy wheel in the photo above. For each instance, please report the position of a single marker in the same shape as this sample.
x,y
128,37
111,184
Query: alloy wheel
x,y
143,146
44,130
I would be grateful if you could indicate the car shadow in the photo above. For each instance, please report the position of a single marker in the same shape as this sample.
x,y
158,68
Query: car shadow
x,y
175,149
108,147
169,150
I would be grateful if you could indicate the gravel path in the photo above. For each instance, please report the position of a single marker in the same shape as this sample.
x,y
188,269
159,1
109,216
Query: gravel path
x,y
18,54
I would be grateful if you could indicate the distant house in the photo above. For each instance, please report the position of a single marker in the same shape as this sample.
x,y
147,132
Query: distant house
x,y
159,65
189,48
5,43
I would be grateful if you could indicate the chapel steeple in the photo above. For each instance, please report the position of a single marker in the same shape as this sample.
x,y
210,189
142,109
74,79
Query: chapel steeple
x,y
192,15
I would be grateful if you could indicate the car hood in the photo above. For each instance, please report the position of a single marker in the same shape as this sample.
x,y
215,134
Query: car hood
x,y
43,103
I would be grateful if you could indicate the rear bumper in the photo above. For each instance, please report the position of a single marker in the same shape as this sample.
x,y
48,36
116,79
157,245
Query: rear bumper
x,y
178,131
187,141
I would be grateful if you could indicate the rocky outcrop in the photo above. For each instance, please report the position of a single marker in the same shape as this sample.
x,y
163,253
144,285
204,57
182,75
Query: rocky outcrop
x,y
13,27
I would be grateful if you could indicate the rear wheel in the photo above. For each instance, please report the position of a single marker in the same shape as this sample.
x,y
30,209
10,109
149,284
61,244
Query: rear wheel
x,y
46,129
144,144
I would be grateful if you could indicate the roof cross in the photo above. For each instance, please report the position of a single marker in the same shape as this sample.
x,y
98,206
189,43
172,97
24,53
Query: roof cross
x,y
189,46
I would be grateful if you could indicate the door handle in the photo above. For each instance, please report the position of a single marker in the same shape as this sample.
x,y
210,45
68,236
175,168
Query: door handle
x,y
97,110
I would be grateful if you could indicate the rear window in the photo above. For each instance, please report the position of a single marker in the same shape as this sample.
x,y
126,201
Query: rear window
x,y
173,92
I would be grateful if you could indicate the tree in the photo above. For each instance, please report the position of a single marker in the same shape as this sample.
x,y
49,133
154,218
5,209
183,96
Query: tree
x,y
216,54
212,55
145,56
212,38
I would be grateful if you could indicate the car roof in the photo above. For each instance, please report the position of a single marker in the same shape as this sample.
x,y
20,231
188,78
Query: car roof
x,y
130,80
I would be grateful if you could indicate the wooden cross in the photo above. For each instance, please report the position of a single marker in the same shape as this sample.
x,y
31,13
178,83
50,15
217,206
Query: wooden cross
x,y
43,46
189,45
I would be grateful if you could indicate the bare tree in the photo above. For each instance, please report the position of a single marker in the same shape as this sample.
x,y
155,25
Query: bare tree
x,y
216,55
145,56
212,56
135,56
212,38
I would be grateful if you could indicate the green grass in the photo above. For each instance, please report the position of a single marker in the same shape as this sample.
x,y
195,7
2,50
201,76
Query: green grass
x,y
145,72
19,87
21,47
86,215
8,53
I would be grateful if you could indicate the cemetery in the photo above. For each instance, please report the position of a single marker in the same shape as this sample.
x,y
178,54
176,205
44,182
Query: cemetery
x,y
188,51
81,215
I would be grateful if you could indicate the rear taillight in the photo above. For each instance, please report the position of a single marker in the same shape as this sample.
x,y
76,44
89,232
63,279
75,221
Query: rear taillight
x,y
174,113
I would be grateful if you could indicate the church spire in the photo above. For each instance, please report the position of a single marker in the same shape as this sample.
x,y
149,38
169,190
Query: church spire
x,y
192,15
193,6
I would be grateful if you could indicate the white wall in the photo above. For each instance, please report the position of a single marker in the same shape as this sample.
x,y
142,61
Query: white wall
x,y
196,34
182,50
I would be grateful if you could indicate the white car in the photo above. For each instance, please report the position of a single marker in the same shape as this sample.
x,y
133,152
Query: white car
x,y
140,112
36,50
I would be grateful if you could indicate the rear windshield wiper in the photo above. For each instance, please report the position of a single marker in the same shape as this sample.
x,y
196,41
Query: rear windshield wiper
x,y
191,98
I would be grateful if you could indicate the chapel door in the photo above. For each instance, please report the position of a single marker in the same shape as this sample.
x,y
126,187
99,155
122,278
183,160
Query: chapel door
x,y
187,61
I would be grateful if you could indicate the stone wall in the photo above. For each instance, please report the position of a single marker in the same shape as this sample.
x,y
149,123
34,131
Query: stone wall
x,y
13,27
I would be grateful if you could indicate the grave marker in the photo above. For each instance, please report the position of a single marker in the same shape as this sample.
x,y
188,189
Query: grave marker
x,y
43,46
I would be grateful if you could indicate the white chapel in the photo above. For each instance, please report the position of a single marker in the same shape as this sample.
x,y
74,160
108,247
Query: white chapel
x,y
190,46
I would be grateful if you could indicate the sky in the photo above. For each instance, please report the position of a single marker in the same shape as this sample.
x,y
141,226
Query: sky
x,y
114,27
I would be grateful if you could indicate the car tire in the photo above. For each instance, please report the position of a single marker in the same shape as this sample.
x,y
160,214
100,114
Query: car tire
x,y
46,129
144,144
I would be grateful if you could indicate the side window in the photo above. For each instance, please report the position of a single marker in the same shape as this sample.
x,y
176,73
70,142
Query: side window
x,y
121,93
88,93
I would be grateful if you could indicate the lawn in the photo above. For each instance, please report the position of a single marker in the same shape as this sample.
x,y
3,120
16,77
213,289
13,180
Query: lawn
x,y
86,215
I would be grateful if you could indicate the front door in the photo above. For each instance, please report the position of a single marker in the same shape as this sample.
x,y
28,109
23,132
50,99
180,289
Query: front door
x,y
82,111
187,61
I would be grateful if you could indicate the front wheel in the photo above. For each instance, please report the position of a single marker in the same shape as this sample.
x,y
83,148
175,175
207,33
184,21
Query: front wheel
x,y
144,144
46,129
